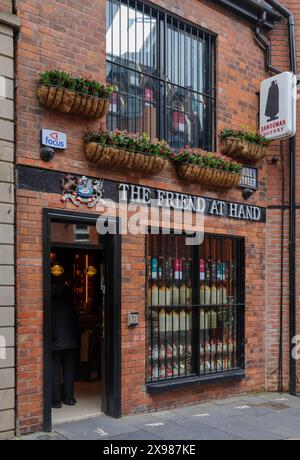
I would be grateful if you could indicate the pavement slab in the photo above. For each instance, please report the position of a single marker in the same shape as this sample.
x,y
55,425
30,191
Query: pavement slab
x,y
266,416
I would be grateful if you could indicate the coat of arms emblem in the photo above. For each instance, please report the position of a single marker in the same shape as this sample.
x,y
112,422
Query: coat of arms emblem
x,y
81,190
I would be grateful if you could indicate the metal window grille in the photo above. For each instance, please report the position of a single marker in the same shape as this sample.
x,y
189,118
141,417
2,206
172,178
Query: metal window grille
x,y
195,307
164,69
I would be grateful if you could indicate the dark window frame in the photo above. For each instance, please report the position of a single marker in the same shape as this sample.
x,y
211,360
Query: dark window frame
x,y
237,307
186,96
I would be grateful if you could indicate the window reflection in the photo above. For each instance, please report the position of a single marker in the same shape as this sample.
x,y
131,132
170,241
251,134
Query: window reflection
x,y
164,70
131,35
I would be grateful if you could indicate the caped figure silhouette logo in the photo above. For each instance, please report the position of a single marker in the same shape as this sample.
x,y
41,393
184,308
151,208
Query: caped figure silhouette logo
x,y
272,108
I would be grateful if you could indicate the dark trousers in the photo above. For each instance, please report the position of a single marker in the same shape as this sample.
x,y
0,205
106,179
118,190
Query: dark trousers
x,y
63,374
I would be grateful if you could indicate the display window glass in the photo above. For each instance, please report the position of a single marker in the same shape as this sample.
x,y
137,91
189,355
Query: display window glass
x,y
195,306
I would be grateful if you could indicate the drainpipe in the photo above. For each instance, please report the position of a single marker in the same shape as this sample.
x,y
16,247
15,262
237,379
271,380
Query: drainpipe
x,y
292,208
14,11
264,43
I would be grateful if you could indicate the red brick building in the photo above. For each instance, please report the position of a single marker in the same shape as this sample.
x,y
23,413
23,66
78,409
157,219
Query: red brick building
x,y
184,71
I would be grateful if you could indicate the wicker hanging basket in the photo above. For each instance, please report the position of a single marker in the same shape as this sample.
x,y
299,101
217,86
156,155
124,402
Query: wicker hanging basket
x,y
117,158
208,176
239,148
66,101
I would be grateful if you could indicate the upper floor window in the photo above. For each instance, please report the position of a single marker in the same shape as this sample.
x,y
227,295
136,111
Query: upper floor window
x,y
164,69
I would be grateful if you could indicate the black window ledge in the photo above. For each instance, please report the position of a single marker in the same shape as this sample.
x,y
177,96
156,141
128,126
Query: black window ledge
x,y
166,385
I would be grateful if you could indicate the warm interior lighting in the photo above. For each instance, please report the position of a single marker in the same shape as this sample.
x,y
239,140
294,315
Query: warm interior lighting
x,y
91,271
57,270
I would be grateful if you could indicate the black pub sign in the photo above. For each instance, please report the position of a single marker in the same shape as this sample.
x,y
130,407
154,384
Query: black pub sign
x,y
51,182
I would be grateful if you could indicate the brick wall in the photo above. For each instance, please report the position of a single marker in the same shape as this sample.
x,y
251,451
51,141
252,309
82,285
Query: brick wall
x,y
280,52
7,276
6,6
45,31
134,396
71,35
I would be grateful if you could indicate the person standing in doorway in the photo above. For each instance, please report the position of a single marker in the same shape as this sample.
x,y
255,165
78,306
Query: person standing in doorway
x,y
64,344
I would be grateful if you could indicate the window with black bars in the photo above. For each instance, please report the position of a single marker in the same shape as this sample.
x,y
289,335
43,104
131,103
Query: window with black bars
x,y
195,307
164,69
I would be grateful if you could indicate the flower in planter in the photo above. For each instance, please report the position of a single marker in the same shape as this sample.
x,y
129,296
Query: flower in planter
x,y
139,143
250,145
201,167
206,159
65,80
67,93
135,152
250,136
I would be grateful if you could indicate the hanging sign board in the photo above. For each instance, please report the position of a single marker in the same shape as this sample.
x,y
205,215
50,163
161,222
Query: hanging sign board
x,y
278,98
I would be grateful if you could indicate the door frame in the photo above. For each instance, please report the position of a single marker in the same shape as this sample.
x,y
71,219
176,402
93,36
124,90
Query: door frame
x,y
112,330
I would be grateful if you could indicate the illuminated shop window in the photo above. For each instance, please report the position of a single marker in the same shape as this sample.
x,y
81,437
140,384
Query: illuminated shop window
x,y
195,307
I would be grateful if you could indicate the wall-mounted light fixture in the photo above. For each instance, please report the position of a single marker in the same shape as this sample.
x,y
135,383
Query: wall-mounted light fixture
x,y
248,193
47,154
91,271
57,270
273,160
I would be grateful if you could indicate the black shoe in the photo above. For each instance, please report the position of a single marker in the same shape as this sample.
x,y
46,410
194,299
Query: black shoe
x,y
56,405
70,402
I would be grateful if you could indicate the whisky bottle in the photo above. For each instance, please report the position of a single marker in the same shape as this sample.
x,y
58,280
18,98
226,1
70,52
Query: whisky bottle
x,y
213,271
154,295
155,352
162,351
154,269
155,372
205,322
161,268
205,295
189,321
219,271
162,320
208,269
168,295
183,319
162,371
202,319
162,295
213,319
178,269
169,321
176,295
202,270
175,321
213,294
182,294
221,295
189,299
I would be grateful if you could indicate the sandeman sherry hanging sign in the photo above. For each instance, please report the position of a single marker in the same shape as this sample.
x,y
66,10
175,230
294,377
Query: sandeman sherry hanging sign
x,y
278,106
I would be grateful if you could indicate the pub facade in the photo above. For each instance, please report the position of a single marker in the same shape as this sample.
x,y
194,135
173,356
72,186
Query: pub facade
x,y
161,322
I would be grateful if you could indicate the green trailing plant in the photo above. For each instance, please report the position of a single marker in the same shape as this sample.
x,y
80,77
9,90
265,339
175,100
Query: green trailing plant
x,y
207,160
249,136
141,143
61,79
